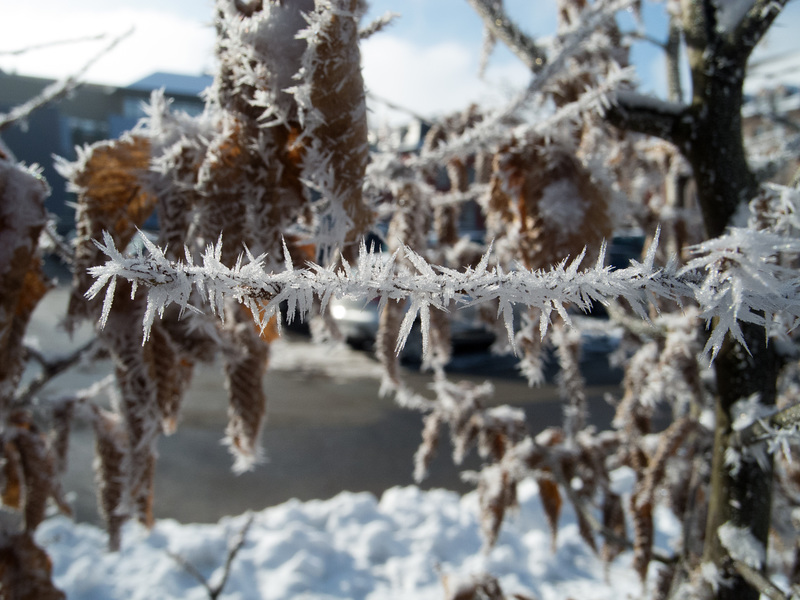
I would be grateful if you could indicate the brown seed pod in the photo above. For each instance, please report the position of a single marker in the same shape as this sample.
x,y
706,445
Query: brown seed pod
x,y
110,472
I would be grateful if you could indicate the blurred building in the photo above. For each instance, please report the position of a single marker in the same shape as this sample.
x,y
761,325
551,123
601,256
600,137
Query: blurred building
x,y
91,113
771,128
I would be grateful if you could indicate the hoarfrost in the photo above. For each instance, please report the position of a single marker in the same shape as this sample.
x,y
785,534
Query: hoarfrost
x,y
742,545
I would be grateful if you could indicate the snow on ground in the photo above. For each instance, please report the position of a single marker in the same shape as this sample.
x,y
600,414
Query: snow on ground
x,y
352,546
336,360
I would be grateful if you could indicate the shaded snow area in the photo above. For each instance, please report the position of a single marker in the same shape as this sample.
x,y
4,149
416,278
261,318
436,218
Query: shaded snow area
x,y
351,546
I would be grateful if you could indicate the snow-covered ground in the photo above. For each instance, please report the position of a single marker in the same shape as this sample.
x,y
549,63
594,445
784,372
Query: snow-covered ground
x,y
405,545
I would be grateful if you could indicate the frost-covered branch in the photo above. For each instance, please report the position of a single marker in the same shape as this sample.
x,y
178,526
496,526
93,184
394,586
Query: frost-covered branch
x,y
32,47
57,90
494,131
733,281
377,25
503,28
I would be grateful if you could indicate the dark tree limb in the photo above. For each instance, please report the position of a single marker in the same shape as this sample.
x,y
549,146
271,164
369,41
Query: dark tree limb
x,y
636,112
755,24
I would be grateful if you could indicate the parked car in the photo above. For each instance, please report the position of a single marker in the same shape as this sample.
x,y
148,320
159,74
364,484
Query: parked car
x,y
358,320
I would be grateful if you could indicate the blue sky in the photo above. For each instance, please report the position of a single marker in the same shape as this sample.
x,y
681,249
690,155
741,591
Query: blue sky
x,y
427,60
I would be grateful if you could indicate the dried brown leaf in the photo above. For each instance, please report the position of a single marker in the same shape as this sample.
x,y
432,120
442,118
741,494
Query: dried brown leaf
x,y
247,401
171,373
22,217
111,199
26,571
110,451
12,476
585,529
139,398
528,183
643,532
38,469
497,492
337,94
670,440
614,522
62,415
551,503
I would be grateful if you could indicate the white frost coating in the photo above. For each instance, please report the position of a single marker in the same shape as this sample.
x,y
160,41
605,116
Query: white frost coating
x,y
742,545
732,281
748,410
268,40
562,208
743,283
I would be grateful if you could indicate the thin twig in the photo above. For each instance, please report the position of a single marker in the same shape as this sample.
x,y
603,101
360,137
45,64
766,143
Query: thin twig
x,y
377,25
57,90
52,368
582,507
215,590
759,582
521,44
26,49
60,247
397,107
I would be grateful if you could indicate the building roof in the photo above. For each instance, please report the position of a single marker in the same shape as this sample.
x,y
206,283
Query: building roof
x,y
173,83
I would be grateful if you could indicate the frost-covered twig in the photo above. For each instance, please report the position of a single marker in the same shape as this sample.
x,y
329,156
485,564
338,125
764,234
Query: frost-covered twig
x,y
377,25
733,281
375,276
494,131
57,90
501,27
744,282
32,47
214,591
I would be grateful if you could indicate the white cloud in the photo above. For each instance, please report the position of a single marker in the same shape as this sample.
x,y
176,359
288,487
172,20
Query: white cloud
x,y
432,80
160,41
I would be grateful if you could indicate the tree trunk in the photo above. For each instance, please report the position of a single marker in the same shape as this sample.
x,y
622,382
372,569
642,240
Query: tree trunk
x,y
725,185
